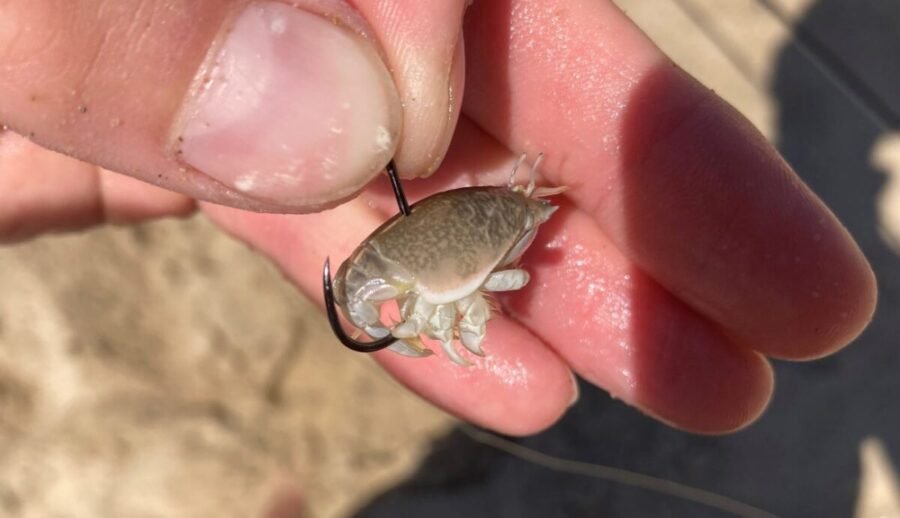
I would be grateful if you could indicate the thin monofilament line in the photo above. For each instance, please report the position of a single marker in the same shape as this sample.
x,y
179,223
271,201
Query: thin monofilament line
x,y
617,475
871,105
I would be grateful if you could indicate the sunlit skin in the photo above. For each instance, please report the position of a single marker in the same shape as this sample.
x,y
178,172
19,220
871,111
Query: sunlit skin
x,y
685,251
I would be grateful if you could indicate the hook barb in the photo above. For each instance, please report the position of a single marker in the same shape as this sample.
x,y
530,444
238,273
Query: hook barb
x,y
334,320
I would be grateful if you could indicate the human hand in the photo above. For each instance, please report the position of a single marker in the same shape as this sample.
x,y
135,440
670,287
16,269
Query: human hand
x,y
685,252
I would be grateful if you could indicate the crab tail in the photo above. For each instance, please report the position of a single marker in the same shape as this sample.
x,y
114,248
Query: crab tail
x,y
335,322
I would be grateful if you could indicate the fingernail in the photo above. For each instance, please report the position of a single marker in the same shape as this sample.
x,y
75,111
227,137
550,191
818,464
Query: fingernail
x,y
576,391
292,108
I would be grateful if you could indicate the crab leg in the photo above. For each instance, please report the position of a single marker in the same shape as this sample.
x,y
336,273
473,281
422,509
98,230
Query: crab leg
x,y
416,312
410,347
440,327
506,280
472,326
453,354
334,319
363,309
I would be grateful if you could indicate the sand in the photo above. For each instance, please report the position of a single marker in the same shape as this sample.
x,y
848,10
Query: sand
x,y
166,370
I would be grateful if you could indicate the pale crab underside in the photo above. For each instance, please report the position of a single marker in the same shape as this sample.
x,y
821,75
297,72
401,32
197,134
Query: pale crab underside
x,y
437,260
440,314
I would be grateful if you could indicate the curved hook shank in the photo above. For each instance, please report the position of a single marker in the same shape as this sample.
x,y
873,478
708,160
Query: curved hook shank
x,y
334,320
402,204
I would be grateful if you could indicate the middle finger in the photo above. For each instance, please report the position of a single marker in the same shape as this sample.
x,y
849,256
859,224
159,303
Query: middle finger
x,y
610,321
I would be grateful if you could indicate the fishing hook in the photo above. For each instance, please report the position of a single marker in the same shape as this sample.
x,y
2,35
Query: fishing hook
x,y
402,204
328,290
334,320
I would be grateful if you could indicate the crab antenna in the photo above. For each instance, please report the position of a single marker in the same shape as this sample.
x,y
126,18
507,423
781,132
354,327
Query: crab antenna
x,y
512,174
402,204
532,175
334,320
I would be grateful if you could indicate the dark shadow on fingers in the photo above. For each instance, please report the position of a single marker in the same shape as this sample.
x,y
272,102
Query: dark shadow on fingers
x,y
802,457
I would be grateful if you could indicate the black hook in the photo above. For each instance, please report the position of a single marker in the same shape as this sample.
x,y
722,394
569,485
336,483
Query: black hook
x,y
402,204
335,322
328,290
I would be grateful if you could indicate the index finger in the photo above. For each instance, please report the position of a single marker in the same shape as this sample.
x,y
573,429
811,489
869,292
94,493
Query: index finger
x,y
679,181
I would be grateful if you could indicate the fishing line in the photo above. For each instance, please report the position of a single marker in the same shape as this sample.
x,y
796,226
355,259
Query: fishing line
x,y
616,475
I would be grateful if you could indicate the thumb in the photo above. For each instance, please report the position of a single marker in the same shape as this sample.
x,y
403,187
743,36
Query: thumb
x,y
260,105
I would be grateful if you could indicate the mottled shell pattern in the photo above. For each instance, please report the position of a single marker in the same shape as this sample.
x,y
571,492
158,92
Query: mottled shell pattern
x,y
436,263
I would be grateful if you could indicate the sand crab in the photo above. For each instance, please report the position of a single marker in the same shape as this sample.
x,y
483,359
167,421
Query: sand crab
x,y
436,259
